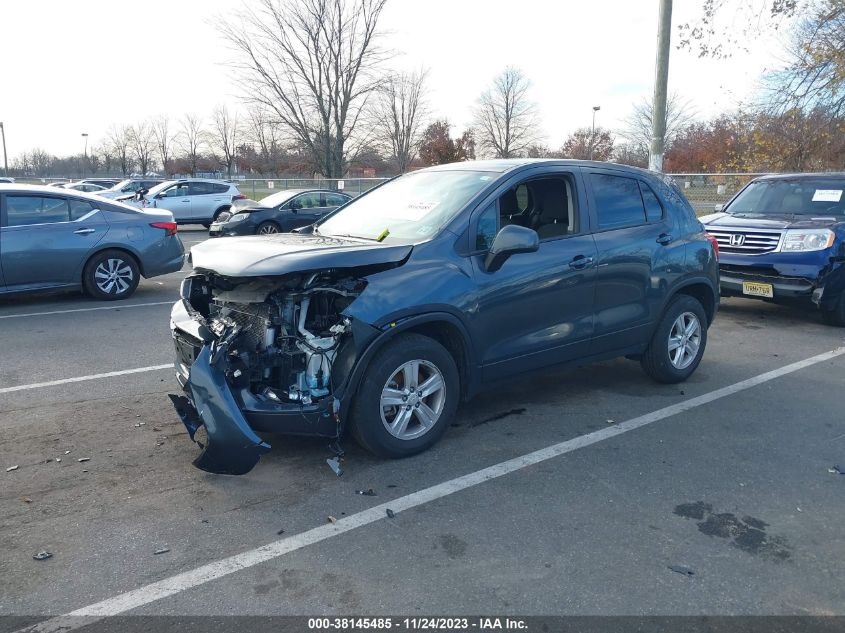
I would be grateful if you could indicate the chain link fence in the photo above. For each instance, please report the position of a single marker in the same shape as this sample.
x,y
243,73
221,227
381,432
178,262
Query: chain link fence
x,y
704,191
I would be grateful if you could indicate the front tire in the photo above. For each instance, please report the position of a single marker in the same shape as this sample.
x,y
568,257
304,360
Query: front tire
x,y
836,317
407,397
678,343
110,276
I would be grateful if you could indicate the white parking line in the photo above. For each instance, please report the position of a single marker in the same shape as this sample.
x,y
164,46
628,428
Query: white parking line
x,y
64,381
218,569
111,307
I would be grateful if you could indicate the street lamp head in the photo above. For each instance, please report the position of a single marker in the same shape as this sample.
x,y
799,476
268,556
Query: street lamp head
x,y
596,108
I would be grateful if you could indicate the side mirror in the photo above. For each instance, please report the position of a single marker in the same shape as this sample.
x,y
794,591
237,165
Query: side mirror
x,y
718,208
510,240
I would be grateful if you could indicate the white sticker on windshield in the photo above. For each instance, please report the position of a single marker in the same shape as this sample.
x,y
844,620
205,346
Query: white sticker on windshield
x,y
827,195
413,211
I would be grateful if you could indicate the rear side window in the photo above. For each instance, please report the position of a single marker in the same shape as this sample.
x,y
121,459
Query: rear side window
x,y
618,201
335,199
200,188
653,208
216,187
79,209
27,210
306,201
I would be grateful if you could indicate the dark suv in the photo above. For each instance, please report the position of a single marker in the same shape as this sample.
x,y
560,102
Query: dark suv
x,y
430,288
782,238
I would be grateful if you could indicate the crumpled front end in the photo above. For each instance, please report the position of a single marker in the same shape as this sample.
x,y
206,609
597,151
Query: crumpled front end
x,y
263,355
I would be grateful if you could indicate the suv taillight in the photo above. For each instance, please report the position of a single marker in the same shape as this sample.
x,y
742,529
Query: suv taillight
x,y
240,196
169,227
714,243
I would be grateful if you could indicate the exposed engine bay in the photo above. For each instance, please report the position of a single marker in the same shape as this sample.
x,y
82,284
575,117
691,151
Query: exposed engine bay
x,y
281,338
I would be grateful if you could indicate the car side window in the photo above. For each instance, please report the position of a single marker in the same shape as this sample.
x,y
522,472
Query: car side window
x,y
653,208
217,187
79,209
488,227
199,188
618,201
27,210
306,201
177,191
335,199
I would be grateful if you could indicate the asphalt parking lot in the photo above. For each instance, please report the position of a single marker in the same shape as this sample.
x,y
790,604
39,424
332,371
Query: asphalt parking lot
x,y
727,475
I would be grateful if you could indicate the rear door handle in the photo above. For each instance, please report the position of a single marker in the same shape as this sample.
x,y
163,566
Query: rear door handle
x,y
580,262
664,238
84,231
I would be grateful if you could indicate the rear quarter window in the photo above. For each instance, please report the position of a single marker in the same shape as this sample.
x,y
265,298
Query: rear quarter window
x,y
618,201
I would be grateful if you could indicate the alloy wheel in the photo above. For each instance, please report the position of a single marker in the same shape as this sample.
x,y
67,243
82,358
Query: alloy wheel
x,y
268,229
113,276
412,399
684,340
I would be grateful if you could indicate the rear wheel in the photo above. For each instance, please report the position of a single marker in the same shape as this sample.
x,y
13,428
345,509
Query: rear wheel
x,y
267,228
111,275
678,342
407,398
837,315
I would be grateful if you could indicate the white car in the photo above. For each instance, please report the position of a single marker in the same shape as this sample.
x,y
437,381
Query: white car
x,y
191,201
130,186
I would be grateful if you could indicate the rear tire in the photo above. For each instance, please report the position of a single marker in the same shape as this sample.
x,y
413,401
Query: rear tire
x,y
111,275
678,343
268,228
421,376
836,317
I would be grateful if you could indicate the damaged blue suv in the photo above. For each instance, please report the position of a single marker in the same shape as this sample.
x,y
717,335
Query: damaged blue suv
x,y
382,316
782,239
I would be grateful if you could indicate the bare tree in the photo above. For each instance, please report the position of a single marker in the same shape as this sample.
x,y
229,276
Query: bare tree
x,y
225,135
191,140
143,145
399,114
506,119
637,125
312,63
163,139
263,133
119,138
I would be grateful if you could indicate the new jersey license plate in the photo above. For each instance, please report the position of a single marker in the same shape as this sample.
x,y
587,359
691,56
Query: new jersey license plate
x,y
757,289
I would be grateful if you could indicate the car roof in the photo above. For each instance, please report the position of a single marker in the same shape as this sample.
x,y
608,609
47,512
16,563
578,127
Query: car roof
x,y
502,165
22,188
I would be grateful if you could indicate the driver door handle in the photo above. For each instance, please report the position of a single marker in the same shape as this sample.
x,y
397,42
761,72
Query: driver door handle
x,y
664,239
84,231
580,262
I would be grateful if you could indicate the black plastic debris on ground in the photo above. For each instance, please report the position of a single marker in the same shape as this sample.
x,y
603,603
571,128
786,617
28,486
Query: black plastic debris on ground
x,y
42,556
837,470
682,569
280,532
390,513
366,493
163,550
499,416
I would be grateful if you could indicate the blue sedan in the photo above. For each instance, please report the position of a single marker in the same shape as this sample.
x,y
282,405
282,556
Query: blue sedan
x,y
53,239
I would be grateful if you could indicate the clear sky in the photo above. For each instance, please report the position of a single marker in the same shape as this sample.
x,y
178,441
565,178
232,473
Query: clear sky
x,y
73,67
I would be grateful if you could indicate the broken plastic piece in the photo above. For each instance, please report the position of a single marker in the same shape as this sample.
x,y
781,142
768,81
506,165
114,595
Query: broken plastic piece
x,y
280,532
367,493
42,555
84,459
682,569
390,513
26,499
334,464
163,550
11,468
331,519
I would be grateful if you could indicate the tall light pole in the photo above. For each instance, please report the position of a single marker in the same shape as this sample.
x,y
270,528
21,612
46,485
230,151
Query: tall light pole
x,y
593,132
85,153
661,79
5,160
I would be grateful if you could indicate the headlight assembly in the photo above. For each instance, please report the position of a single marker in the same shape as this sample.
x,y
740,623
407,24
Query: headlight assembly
x,y
238,217
802,240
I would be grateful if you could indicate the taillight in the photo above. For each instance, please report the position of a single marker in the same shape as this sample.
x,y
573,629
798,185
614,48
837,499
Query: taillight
x,y
169,227
714,243
240,196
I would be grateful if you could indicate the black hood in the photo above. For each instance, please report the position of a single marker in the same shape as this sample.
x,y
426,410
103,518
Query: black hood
x,y
284,253
768,221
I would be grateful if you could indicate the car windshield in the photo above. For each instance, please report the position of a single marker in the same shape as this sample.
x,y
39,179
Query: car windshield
x,y
411,207
275,199
798,196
